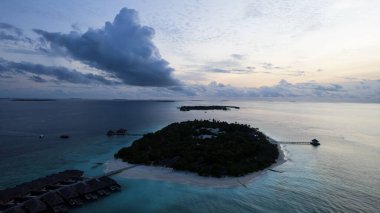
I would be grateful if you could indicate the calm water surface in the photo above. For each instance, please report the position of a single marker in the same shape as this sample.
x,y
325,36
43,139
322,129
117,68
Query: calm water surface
x,y
343,174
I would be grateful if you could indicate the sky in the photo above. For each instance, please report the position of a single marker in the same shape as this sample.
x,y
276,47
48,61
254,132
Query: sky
x,y
210,49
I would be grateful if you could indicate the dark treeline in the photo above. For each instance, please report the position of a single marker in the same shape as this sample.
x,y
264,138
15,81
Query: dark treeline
x,y
235,150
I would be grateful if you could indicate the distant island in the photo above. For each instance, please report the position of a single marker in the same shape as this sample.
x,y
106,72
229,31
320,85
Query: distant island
x,y
32,99
213,107
143,100
208,148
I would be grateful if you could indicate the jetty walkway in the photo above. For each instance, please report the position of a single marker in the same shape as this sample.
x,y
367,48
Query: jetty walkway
x,y
313,142
293,142
114,172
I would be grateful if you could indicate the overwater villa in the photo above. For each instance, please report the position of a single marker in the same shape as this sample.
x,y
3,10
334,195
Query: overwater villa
x,y
70,196
55,193
54,201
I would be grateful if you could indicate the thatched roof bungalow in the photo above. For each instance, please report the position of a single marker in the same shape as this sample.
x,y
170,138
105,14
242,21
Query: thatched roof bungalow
x,y
67,193
53,192
22,199
100,186
85,191
7,195
37,193
107,180
54,202
13,209
51,180
35,205
52,199
112,185
70,196
95,184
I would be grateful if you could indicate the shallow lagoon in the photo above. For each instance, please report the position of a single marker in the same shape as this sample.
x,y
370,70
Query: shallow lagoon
x,y
341,175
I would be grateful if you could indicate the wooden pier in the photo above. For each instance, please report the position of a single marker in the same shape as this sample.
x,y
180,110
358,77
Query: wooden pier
x,y
114,172
293,142
313,142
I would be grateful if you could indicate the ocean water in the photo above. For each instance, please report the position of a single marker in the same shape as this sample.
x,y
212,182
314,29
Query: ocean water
x,y
341,175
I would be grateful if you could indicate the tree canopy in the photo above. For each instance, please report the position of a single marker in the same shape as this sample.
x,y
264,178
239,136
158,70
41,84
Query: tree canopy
x,y
209,148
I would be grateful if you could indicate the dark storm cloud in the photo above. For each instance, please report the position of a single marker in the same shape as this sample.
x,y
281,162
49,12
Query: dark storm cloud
x,y
10,33
60,74
123,48
38,79
11,28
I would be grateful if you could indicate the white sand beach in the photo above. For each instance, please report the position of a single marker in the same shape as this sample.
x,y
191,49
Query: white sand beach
x,y
167,174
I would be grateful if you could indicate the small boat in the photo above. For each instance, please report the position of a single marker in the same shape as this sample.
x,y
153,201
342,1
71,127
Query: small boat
x,y
315,142
64,136
121,131
110,133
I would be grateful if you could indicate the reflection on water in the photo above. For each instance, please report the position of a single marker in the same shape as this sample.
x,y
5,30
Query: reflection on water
x,y
340,175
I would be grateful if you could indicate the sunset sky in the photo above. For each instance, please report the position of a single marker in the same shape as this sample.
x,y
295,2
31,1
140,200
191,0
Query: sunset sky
x,y
207,49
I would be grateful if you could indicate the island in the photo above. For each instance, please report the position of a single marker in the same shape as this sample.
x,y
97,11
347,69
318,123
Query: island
x,y
205,147
213,107
32,99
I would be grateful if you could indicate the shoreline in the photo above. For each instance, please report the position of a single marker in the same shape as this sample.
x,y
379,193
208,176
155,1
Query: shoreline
x,y
160,173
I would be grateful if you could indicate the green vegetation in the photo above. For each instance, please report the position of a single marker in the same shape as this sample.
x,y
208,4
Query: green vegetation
x,y
209,148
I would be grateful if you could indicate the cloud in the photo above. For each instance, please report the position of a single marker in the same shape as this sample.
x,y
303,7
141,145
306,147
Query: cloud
x,y
237,56
38,79
361,91
218,70
232,65
270,66
295,73
60,74
123,48
240,70
354,91
10,33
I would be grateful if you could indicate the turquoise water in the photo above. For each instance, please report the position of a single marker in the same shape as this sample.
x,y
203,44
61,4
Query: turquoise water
x,y
342,175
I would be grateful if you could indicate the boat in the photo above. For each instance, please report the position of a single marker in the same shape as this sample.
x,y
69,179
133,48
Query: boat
x,y
315,142
110,133
64,136
121,131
